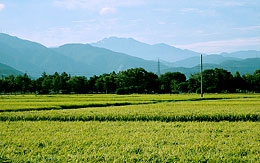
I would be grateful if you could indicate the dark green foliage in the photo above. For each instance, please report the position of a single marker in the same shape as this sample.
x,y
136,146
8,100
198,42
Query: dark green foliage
x,y
171,82
138,80
106,83
123,91
77,84
252,82
214,81
9,84
135,80
22,83
238,82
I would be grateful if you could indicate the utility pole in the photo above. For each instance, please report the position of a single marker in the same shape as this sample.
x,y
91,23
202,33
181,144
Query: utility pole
x,y
201,78
159,72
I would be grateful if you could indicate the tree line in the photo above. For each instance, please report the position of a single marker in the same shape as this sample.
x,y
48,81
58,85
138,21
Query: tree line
x,y
135,80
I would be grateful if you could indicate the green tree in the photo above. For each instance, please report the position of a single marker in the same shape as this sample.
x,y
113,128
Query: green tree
x,y
106,83
249,82
92,84
77,84
56,82
1,85
10,84
256,81
214,81
170,82
38,83
238,82
64,78
46,85
194,83
22,83
136,80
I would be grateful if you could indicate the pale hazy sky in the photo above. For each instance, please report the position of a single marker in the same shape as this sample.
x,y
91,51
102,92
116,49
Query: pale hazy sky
x,y
209,26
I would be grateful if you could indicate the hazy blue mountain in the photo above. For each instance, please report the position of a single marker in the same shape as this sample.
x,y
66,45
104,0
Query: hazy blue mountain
x,y
188,71
14,58
75,59
243,54
34,58
207,59
84,59
143,50
6,70
243,66
104,60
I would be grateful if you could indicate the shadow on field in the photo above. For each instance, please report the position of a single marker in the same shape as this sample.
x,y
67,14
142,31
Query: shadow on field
x,y
140,117
106,105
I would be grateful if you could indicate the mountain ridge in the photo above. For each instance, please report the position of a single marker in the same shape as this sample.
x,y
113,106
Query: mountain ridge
x,y
88,60
209,59
146,51
243,66
108,61
6,70
34,58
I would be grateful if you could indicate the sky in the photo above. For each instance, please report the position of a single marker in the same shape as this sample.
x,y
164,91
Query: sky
x,y
207,26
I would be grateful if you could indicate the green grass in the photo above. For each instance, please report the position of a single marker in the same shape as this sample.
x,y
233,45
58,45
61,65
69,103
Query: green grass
x,y
130,141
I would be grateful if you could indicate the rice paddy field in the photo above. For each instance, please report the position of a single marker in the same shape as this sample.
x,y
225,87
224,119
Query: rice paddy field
x,y
130,128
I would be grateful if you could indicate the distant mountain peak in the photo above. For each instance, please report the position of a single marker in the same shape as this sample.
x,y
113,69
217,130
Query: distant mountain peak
x,y
143,50
163,45
120,38
115,39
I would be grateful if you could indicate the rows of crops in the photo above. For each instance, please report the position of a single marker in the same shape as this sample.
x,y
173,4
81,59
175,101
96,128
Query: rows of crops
x,y
216,110
48,102
220,128
130,141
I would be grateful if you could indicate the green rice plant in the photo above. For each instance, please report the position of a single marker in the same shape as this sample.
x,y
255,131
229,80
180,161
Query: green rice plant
x,y
210,129
50,102
217,110
48,141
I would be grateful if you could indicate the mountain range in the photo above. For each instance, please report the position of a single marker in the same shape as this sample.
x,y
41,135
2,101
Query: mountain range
x,y
146,51
112,54
75,59
207,59
244,66
103,60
